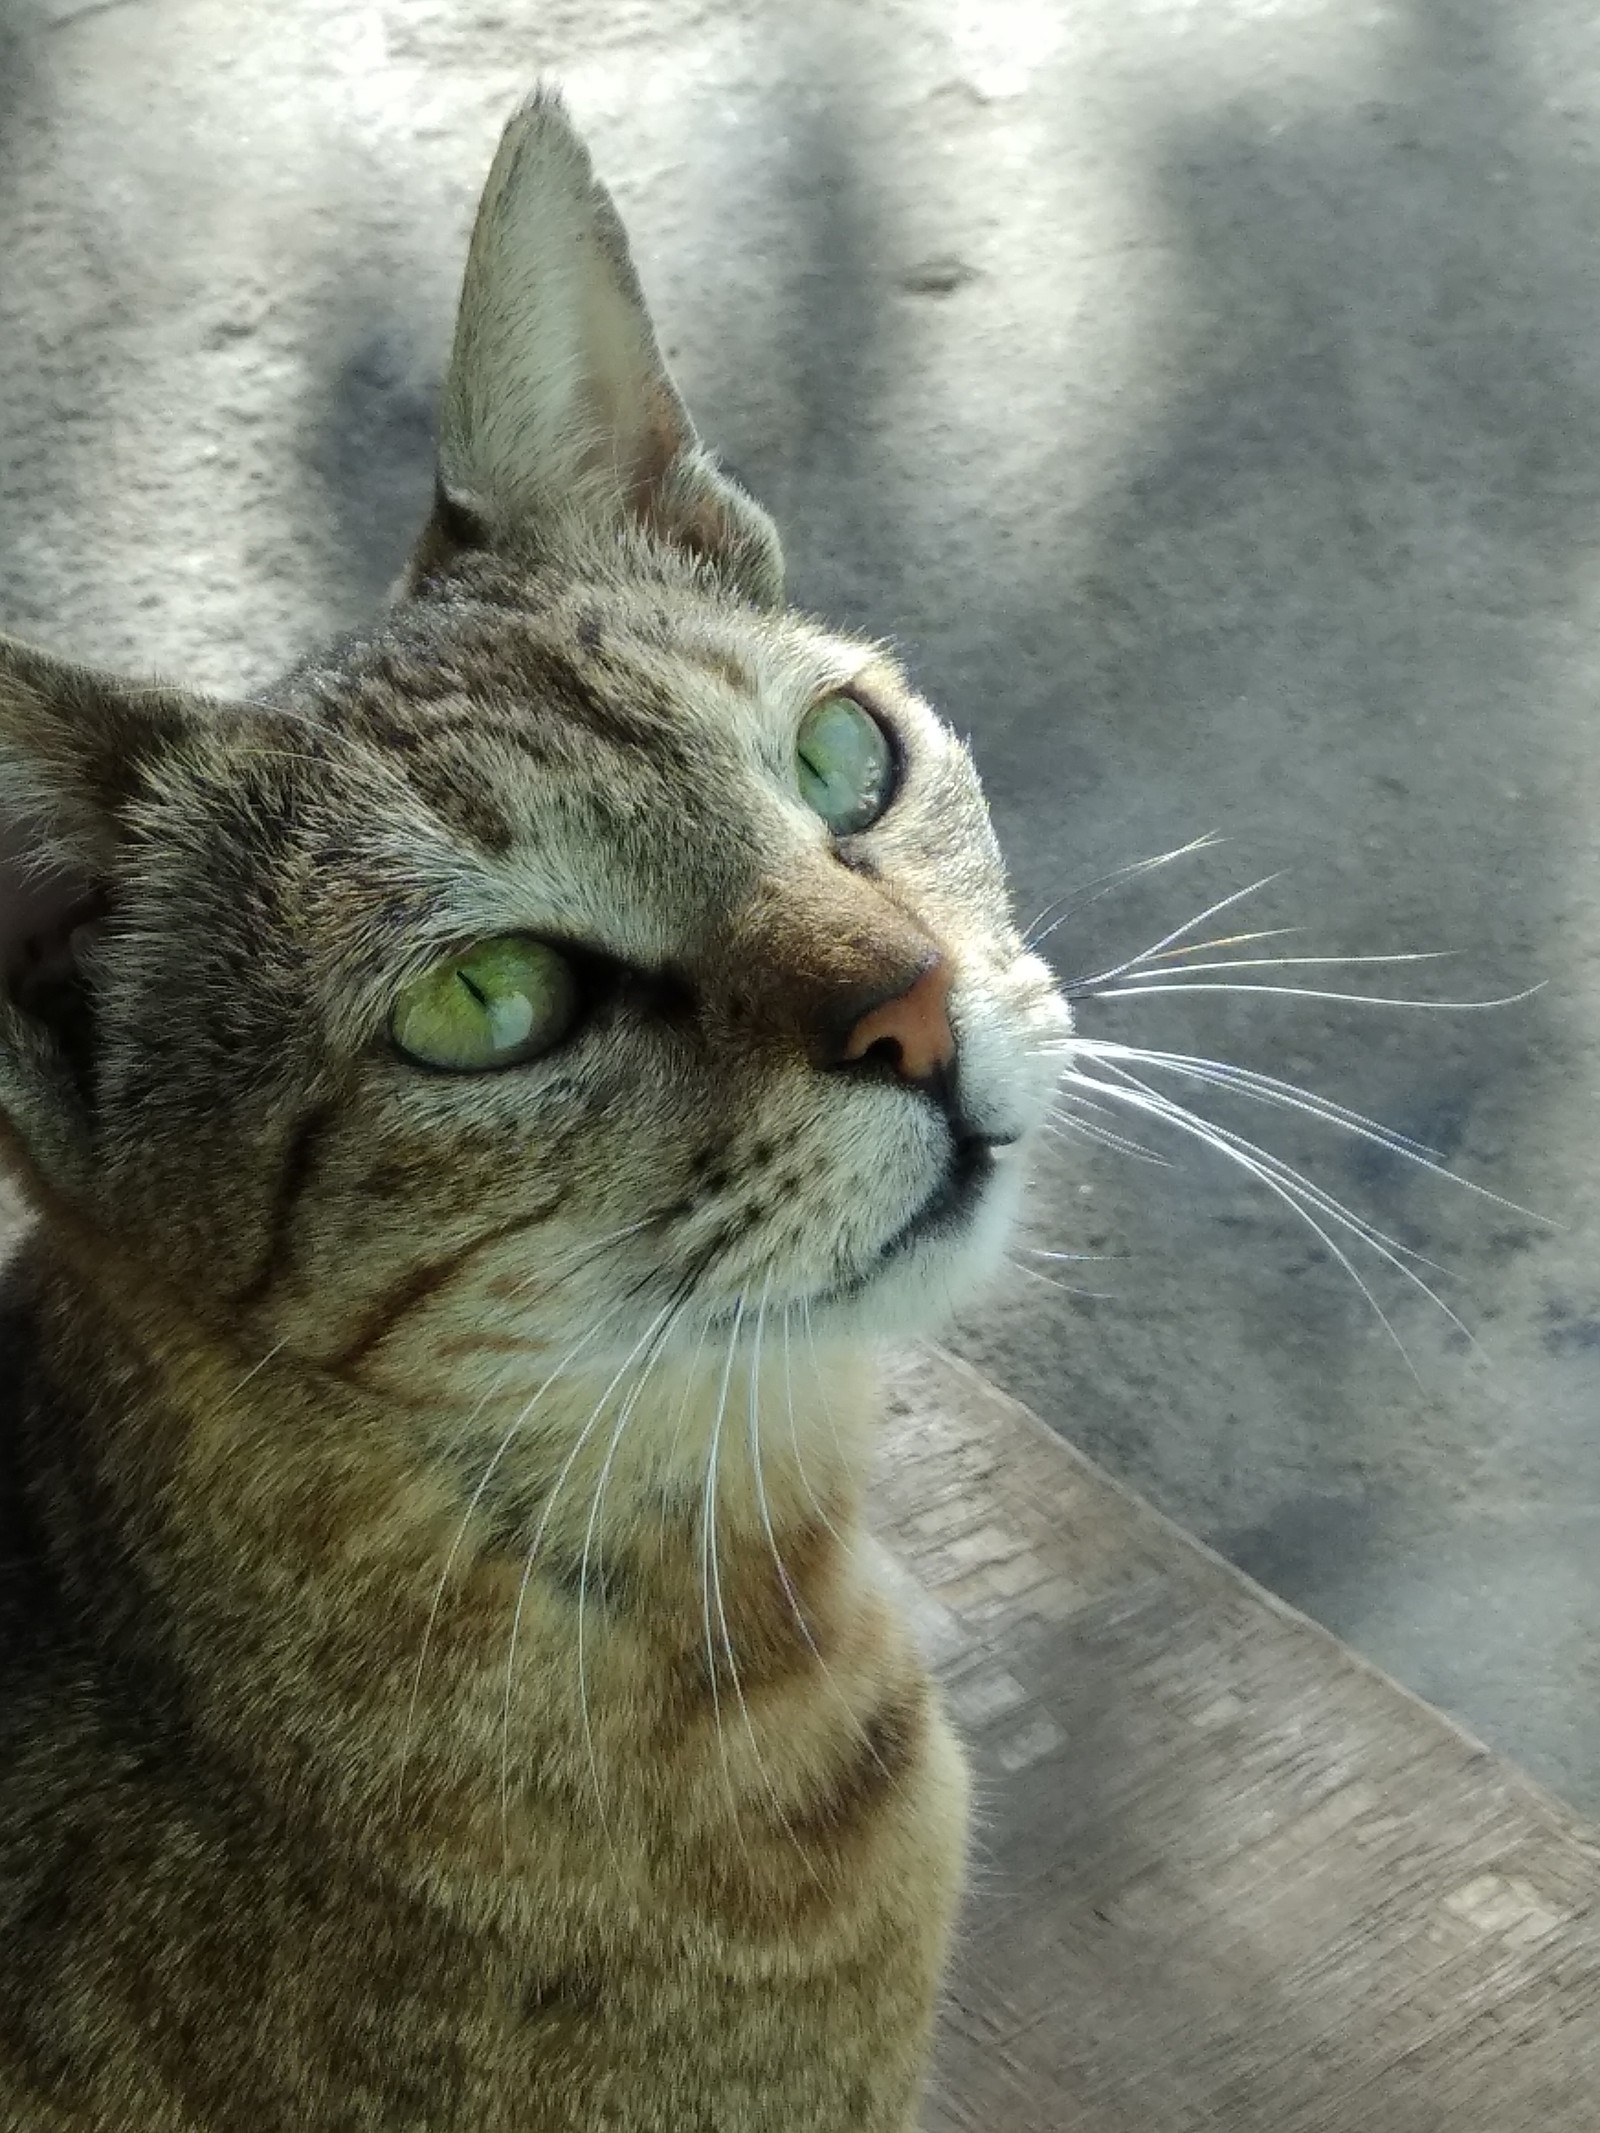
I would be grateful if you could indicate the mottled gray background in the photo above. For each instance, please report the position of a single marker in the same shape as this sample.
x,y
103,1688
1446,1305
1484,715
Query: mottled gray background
x,y
1206,395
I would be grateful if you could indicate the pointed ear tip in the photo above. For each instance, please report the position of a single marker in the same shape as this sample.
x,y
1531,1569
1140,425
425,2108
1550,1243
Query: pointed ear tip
x,y
545,100
543,120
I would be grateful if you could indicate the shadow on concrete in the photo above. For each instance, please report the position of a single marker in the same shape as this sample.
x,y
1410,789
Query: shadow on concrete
x,y
23,98
822,479
367,447
1322,602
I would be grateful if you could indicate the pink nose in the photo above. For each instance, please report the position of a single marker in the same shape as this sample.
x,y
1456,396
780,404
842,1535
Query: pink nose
x,y
912,1031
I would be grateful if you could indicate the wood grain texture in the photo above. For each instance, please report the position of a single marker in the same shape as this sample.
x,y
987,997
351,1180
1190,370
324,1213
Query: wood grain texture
x,y
1227,1875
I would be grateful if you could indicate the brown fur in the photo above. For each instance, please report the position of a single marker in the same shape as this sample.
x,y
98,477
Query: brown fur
x,y
442,1683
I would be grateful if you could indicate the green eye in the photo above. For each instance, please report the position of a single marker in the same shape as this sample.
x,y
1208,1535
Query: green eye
x,y
845,763
501,1003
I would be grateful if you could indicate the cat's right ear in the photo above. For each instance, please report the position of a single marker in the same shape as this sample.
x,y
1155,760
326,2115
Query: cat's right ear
x,y
558,408
75,750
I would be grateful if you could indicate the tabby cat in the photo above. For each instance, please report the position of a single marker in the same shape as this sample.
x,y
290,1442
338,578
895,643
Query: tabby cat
x,y
483,1102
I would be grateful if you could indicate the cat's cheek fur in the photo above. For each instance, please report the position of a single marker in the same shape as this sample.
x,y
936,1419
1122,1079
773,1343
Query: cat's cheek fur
x,y
1006,1025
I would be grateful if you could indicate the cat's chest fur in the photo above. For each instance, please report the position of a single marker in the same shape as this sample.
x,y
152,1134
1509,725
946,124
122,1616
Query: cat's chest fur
x,y
235,1891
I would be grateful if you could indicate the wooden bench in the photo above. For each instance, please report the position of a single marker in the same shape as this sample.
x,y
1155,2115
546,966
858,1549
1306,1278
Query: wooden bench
x,y
1228,1876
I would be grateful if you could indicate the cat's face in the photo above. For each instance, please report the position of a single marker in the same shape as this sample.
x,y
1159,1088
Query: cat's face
x,y
594,954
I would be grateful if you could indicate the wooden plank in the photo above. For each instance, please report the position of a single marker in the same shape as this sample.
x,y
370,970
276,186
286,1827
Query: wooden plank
x,y
1227,1875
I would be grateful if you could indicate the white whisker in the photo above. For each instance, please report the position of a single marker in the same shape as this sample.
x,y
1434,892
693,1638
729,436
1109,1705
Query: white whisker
x,y
1298,1181
1201,1130
710,1576
1295,1192
1179,981
794,1434
1102,884
1290,1096
1067,1288
1172,965
716,1573
254,1371
578,1256
1226,940
465,1523
1065,1122
1264,1088
822,1390
537,1543
1298,962
663,1323
785,1582
1178,933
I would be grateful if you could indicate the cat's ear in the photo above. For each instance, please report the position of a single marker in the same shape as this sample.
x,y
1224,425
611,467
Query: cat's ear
x,y
557,401
74,748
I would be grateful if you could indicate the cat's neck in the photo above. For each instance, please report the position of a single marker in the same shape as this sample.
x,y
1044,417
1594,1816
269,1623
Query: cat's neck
x,y
393,1618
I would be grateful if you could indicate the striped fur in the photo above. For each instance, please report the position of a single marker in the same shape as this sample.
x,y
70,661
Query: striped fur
x,y
442,1683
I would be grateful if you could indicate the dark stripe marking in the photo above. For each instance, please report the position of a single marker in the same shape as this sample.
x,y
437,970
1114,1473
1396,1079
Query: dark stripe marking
x,y
887,1748
294,1175
420,1284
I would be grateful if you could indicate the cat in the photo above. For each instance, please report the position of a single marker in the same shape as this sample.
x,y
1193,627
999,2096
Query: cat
x,y
484,1103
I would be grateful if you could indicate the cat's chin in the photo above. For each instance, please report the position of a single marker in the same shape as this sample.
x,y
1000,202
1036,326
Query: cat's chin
x,y
938,1262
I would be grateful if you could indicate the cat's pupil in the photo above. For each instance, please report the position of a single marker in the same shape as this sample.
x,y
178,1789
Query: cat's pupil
x,y
501,1004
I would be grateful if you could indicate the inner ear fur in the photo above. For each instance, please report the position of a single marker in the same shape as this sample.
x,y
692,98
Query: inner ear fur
x,y
557,406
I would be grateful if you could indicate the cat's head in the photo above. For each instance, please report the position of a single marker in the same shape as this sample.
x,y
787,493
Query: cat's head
x,y
593,940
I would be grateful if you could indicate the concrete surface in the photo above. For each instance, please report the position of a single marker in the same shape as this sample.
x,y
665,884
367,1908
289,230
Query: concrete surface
x,y
1206,396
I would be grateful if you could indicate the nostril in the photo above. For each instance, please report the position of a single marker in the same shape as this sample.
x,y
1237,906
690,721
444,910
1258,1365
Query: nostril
x,y
887,1053
907,1030
886,1057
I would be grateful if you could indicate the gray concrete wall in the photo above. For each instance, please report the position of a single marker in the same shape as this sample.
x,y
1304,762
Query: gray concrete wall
x,y
1204,396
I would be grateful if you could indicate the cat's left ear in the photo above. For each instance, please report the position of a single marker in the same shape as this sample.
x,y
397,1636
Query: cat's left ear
x,y
75,748
557,404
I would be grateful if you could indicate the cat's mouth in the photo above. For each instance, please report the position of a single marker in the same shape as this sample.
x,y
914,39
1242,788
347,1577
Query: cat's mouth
x,y
948,1208
952,1200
